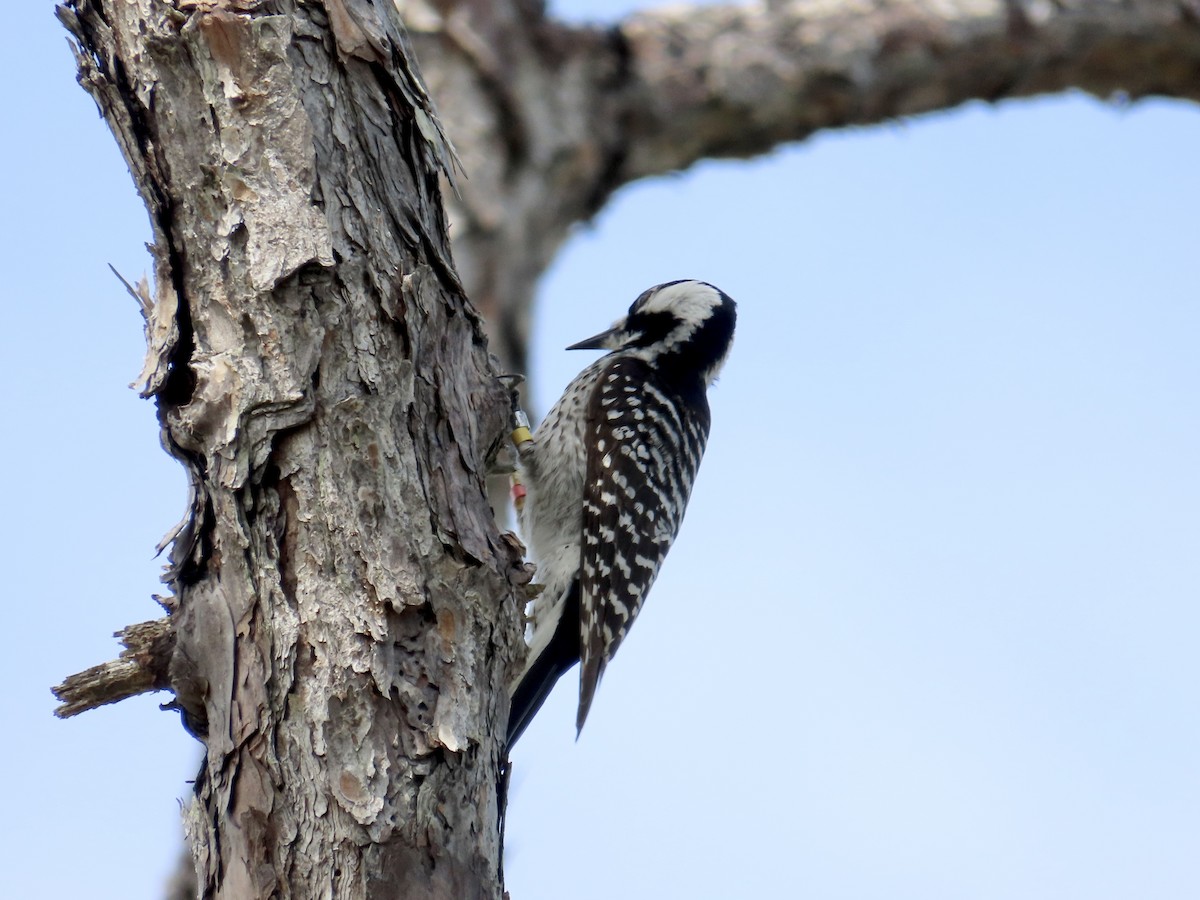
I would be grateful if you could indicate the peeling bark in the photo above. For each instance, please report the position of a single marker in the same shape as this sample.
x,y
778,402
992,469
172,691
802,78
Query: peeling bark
x,y
342,599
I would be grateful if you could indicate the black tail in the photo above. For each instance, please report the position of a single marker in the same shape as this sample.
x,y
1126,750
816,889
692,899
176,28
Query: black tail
x,y
558,656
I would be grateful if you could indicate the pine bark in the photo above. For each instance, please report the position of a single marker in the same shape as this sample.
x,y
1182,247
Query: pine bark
x,y
342,603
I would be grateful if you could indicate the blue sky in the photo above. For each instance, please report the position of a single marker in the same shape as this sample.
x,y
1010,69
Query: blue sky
x,y
931,627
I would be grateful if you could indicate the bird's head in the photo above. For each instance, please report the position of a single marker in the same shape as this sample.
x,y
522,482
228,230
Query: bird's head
x,y
681,325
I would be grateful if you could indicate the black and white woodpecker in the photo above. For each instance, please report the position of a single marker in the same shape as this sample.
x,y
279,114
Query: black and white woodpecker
x,y
607,477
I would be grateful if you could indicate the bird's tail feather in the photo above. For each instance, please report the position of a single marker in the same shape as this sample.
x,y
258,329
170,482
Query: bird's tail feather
x,y
539,679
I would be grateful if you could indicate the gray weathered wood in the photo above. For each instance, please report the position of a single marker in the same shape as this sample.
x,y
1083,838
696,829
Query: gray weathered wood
x,y
342,600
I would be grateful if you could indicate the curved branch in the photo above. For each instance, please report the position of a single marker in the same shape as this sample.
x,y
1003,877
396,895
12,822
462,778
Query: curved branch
x,y
738,81
551,118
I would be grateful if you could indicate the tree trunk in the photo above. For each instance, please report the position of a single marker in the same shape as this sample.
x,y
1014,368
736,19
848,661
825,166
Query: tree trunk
x,y
342,601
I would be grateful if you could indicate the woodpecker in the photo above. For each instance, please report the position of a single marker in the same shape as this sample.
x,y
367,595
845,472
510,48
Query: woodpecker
x,y
607,477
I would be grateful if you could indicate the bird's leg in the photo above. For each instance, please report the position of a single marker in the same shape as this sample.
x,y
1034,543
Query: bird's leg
x,y
522,437
501,459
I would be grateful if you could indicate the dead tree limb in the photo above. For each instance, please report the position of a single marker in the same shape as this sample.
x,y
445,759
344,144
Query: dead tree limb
x,y
551,119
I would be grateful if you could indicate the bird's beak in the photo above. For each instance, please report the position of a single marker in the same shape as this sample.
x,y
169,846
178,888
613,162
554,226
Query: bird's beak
x,y
605,340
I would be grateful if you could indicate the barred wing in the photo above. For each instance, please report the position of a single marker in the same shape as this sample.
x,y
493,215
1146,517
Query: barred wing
x,y
645,437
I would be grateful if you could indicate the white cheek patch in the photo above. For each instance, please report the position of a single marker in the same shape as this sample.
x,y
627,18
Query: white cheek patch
x,y
618,337
679,334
